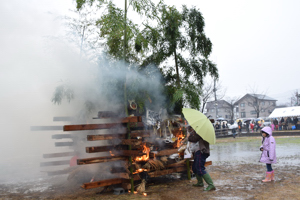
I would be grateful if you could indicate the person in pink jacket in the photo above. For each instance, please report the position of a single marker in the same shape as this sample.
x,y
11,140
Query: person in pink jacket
x,y
268,154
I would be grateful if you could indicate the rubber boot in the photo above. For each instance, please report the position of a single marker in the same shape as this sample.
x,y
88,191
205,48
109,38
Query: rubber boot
x,y
268,177
272,176
210,183
200,181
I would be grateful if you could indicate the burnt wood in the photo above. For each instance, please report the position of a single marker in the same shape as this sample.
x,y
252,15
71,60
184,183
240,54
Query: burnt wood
x,y
82,127
104,148
128,153
166,171
131,120
102,183
165,152
134,142
140,133
99,160
105,137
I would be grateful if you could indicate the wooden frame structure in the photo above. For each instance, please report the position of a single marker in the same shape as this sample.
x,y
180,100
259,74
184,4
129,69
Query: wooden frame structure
x,y
126,150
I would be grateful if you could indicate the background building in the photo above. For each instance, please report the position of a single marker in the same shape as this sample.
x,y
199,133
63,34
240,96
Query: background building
x,y
249,106
255,105
218,109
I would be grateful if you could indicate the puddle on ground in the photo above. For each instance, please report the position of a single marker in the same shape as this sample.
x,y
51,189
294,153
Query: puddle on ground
x,y
248,152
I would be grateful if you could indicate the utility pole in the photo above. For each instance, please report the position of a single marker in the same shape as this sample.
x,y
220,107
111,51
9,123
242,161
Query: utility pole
x,y
216,101
297,97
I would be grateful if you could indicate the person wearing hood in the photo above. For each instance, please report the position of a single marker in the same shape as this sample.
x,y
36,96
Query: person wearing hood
x,y
268,154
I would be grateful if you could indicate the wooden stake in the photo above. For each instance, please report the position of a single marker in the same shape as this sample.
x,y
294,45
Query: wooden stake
x,y
54,155
140,133
105,137
165,152
166,171
99,160
188,169
102,183
52,163
105,148
80,127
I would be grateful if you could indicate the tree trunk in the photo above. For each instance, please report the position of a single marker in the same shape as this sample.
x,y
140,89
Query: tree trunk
x,y
177,69
179,104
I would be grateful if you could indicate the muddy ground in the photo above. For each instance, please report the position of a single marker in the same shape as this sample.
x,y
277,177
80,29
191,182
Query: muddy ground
x,y
233,180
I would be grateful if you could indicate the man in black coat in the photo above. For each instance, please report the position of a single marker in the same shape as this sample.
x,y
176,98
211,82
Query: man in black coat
x,y
295,120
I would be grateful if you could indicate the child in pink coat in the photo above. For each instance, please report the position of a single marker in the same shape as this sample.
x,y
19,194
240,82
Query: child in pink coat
x,y
268,154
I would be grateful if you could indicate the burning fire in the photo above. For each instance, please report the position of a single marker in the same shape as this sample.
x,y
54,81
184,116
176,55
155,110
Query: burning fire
x,y
111,153
140,170
180,137
144,157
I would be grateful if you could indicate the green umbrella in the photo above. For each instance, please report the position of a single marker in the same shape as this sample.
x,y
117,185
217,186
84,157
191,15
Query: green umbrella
x,y
201,124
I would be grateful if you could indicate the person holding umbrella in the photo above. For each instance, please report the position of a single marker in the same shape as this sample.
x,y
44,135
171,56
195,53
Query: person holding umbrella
x,y
201,151
200,134
240,124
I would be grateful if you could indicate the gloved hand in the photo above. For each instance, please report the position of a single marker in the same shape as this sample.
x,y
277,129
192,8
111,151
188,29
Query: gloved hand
x,y
261,149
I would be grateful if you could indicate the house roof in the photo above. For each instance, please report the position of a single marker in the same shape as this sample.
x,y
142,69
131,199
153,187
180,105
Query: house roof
x,y
285,112
221,104
259,96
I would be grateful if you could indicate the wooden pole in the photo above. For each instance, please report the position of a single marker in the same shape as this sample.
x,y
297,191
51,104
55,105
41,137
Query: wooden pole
x,y
99,160
188,169
81,127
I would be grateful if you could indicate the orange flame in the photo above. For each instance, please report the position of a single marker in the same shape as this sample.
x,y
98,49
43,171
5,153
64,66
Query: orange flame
x,y
139,171
145,194
111,153
144,157
180,137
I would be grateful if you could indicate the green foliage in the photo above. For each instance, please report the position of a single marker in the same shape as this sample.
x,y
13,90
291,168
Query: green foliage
x,y
167,35
179,36
81,3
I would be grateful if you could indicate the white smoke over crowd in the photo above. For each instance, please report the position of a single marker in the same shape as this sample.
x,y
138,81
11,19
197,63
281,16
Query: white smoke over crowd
x,y
32,66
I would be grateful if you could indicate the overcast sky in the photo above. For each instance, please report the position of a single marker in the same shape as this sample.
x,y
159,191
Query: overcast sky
x,y
255,43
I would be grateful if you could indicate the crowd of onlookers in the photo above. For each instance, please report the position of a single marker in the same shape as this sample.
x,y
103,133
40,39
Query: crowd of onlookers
x,y
284,123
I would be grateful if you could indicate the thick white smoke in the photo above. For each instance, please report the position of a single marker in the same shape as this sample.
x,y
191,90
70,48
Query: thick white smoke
x,y
32,66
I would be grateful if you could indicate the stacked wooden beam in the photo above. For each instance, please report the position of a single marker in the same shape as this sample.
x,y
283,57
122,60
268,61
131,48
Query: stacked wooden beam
x,y
132,138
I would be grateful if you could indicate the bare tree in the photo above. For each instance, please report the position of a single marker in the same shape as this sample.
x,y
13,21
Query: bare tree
x,y
295,98
208,91
231,105
83,33
258,101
